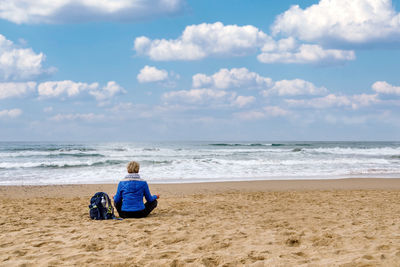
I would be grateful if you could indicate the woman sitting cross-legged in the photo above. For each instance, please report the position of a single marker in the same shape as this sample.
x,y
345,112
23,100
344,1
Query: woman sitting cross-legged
x,y
129,197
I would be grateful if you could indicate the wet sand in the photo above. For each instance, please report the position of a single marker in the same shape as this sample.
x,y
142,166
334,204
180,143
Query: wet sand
x,y
349,222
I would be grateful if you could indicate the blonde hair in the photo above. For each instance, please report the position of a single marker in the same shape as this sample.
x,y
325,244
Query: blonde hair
x,y
133,167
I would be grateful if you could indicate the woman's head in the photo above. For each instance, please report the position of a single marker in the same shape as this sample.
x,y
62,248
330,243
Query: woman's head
x,y
133,167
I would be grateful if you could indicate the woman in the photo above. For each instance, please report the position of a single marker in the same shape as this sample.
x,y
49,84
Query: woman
x,y
129,197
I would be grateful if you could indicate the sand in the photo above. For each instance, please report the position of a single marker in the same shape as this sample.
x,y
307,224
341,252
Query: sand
x,y
351,222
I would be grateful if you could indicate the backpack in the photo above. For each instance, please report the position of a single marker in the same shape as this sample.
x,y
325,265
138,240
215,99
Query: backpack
x,y
101,207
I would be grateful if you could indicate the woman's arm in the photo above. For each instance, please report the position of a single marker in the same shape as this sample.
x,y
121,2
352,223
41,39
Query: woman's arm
x,y
147,194
118,195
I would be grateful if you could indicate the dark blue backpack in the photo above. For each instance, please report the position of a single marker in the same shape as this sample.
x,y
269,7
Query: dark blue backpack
x,y
101,207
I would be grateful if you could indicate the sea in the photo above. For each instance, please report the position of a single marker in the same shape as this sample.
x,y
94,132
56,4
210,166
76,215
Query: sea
x,y
48,163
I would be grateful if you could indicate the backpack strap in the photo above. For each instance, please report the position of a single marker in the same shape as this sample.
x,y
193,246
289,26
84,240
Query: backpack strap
x,y
110,208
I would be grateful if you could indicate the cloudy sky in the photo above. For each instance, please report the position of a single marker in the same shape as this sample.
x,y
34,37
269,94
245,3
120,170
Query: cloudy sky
x,y
137,70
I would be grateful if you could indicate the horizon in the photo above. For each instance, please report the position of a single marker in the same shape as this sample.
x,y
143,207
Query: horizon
x,y
212,142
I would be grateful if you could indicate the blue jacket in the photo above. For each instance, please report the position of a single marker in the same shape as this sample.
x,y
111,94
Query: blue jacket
x,y
131,192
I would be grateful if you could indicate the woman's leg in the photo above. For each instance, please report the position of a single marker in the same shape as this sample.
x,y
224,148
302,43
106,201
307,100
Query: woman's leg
x,y
118,206
149,207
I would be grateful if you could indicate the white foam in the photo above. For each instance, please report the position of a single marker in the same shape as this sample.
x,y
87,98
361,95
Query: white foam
x,y
170,162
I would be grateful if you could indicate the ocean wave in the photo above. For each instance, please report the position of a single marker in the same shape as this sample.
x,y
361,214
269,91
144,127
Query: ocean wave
x,y
108,162
151,149
261,144
48,149
47,154
230,160
303,144
382,151
76,155
119,149
155,162
239,144
58,165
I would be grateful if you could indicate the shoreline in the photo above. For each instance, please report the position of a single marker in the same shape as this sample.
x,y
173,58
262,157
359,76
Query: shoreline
x,y
173,189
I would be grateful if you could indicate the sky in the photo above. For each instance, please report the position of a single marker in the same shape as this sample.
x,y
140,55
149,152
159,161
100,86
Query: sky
x,y
182,70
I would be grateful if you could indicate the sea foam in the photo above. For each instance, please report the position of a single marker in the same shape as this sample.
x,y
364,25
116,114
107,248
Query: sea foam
x,y
65,163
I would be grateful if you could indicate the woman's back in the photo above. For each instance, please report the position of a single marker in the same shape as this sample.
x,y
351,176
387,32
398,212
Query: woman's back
x,y
129,197
132,192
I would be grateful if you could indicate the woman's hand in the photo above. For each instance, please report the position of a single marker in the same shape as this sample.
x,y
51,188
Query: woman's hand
x,y
158,196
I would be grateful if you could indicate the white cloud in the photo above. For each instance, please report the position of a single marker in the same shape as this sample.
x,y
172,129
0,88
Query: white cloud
x,y
58,11
60,88
236,77
328,101
295,87
383,87
213,93
10,113
152,74
332,100
12,89
69,88
242,101
122,107
275,111
203,40
77,116
208,97
19,63
346,119
213,89
250,115
304,54
364,100
356,21
108,91
219,88
48,109
197,96
244,79
266,112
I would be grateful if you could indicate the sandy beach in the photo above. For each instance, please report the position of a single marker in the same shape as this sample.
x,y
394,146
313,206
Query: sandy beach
x,y
349,222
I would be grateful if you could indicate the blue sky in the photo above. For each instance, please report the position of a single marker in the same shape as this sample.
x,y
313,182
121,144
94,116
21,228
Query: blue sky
x,y
132,70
